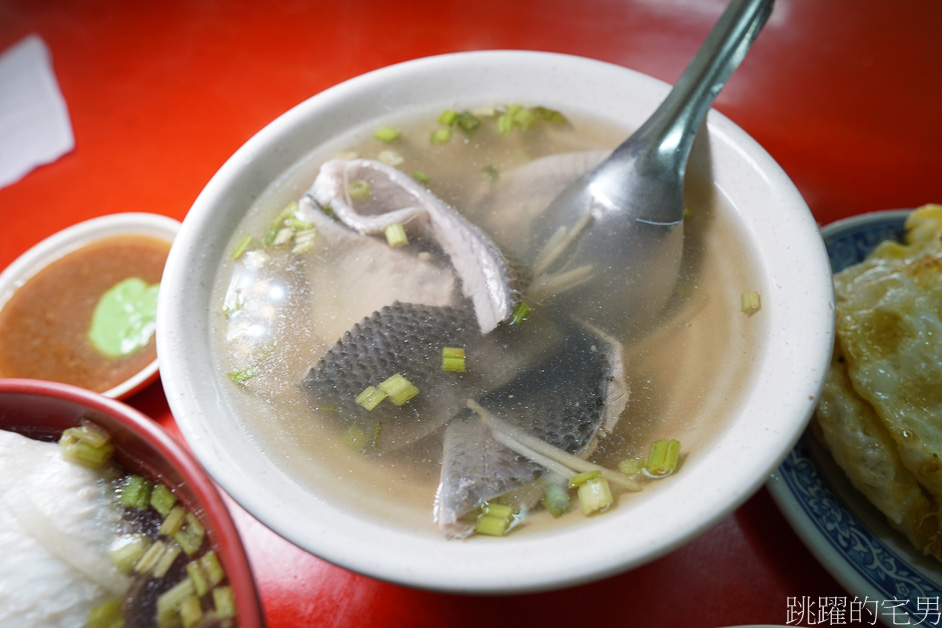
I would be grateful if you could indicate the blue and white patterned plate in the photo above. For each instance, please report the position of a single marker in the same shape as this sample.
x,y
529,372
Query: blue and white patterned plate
x,y
877,566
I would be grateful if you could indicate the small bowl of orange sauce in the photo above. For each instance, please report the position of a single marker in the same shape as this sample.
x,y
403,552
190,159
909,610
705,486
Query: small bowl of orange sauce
x,y
80,306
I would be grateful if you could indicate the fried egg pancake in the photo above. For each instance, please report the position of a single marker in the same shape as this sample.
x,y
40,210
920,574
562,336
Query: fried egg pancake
x,y
880,412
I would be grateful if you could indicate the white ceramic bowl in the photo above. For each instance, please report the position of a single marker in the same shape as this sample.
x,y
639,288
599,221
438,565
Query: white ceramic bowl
x,y
791,358
77,236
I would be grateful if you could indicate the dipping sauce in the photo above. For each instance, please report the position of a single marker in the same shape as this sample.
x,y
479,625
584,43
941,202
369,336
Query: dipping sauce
x,y
46,325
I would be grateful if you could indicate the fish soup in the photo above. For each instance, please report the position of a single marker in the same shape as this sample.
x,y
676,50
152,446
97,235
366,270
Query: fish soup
x,y
297,282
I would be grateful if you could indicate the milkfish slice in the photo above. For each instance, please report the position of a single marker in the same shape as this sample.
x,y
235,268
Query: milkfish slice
x,y
408,339
565,400
404,339
487,279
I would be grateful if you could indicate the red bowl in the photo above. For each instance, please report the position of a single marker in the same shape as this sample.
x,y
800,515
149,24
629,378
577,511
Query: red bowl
x,y
43,410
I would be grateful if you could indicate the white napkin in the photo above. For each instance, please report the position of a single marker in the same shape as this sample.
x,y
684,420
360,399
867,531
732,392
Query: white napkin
x,y
34,120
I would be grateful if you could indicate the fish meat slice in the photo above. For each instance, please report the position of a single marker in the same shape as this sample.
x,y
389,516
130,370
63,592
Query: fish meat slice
x,y
566,401
56,522
488,280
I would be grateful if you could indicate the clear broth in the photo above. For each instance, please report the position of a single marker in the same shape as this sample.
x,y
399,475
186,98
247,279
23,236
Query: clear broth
x,y
684,378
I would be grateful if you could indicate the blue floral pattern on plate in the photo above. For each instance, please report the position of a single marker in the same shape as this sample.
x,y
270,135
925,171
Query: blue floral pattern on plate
x,y
850,537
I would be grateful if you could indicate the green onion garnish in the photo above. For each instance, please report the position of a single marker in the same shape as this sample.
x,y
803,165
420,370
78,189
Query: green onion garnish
x,y
86,445
162,499
243,375
492,172
631,466
242,246
224,602
492,526
386,134
520,313
453,359
595,496
396,235
449,117
440,136
663,457
107,615
135,492
421,177
581,478
556,500
370,397
360,190
399,389
750,302
191,536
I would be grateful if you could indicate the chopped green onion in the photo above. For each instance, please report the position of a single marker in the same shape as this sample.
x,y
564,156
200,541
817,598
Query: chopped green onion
x,y
150,558
191,536
209,563
556,500
581,478
468,122
135,492
360,190
173,521
224,602
547,115
107,615
390,157
421,177
279,223
304,241
387,134
198,576
631,466
370,397
449,117
86,445
492,526
498,510
243,375
520,313
440,136
523,118
595,496
663,457
505,122
399,389
166,560
750,302
396,235
453,359
170,600
242,246
190,611
492,172
162,499
356,437
127,551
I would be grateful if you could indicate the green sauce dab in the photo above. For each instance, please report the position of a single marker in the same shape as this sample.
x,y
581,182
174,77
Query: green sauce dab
x,y
125,318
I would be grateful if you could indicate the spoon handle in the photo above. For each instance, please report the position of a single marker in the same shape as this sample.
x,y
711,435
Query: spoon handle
x,y
671,129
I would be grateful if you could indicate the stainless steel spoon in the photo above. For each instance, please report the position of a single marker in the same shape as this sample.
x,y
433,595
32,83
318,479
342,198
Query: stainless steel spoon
x,y
619,228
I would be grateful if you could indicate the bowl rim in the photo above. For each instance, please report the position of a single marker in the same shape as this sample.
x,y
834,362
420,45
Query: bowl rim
x,y
321,536
73,238
198,481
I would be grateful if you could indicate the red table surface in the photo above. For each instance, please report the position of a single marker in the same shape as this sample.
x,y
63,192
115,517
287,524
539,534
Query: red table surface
x,y
845,94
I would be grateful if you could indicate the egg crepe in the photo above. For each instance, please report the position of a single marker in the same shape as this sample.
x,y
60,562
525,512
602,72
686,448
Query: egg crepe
x,y
880,413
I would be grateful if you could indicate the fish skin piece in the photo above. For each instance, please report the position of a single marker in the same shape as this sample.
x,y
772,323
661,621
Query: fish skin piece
x,y
488,280
400,338
561,400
